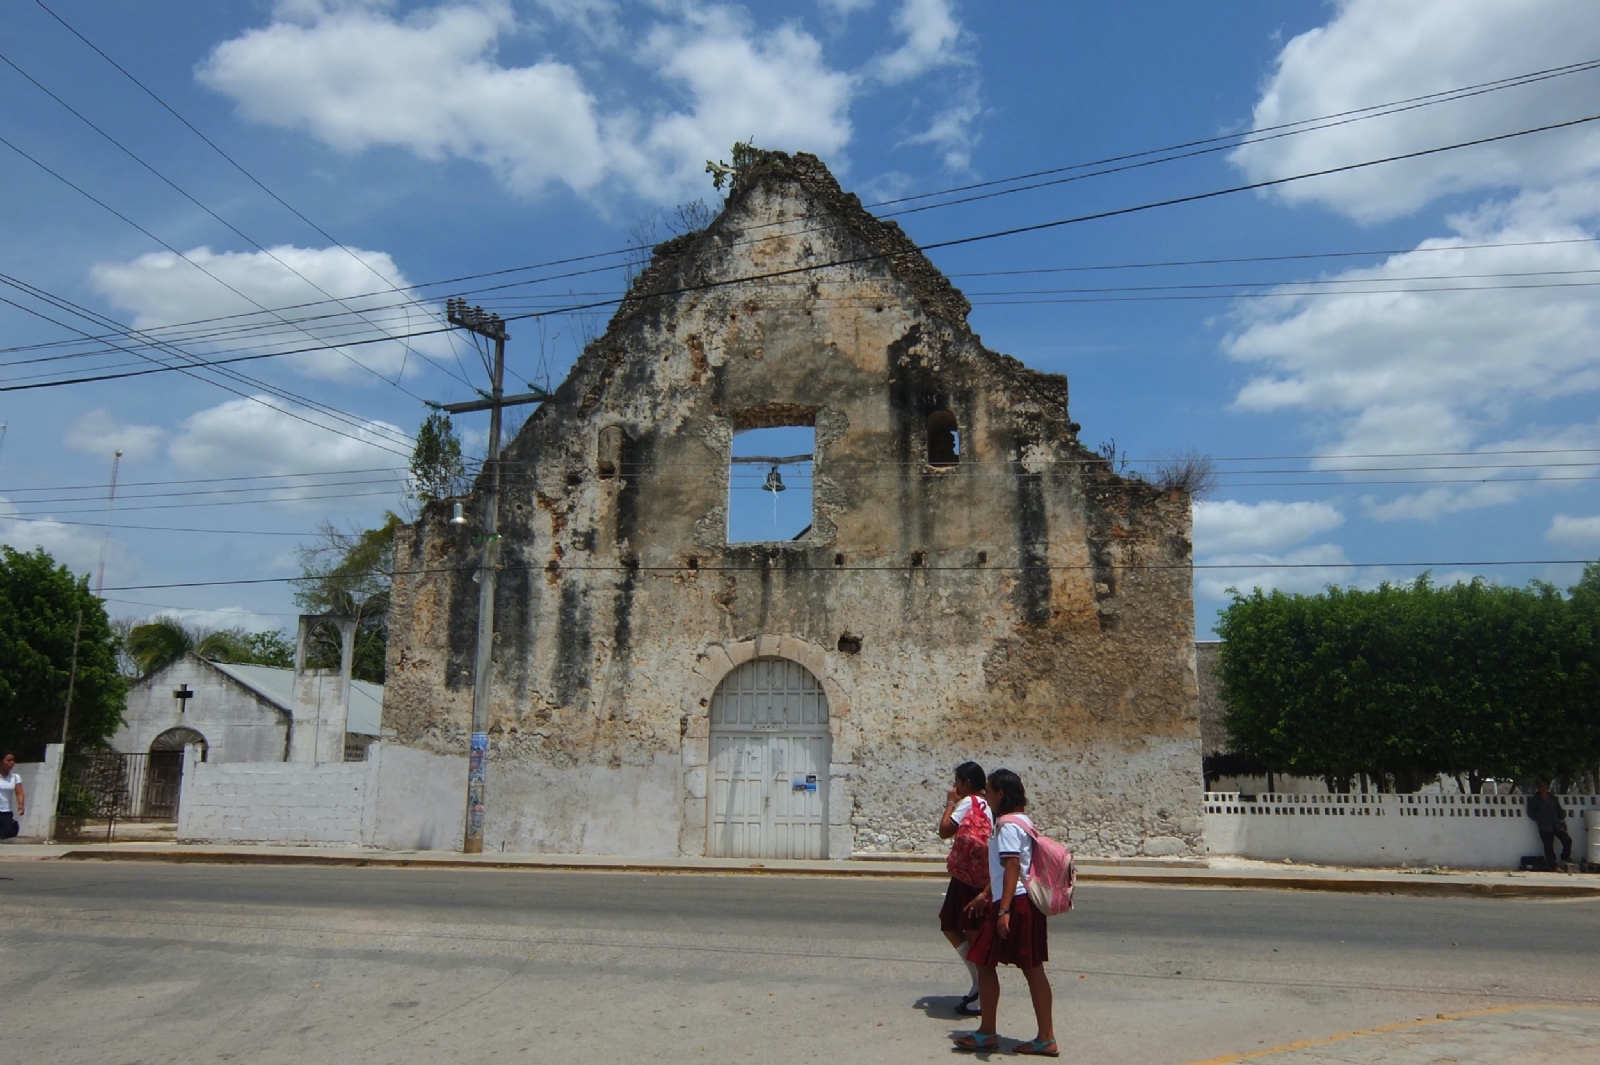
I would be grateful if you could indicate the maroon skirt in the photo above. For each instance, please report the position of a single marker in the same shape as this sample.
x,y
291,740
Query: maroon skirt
x,y
952,915
1027,946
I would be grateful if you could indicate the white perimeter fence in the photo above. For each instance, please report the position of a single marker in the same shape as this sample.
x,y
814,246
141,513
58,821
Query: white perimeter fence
x,y
1462,831
398,799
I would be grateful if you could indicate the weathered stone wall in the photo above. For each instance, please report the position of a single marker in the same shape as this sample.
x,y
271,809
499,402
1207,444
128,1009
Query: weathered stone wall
x,y
1023,607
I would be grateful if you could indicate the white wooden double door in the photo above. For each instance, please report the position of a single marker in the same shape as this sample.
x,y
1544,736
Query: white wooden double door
x,y
770,749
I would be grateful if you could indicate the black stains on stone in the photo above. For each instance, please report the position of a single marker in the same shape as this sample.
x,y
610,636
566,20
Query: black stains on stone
x,y
461,635
573,647
512,592
638,464
584,541
622,620
849,644
1033,534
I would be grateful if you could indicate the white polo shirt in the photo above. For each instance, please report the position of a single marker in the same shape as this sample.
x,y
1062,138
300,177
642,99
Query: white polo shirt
x,y
8,792
1009,838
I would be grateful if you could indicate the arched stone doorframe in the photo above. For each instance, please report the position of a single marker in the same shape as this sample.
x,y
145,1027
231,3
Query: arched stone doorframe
x,y
714,662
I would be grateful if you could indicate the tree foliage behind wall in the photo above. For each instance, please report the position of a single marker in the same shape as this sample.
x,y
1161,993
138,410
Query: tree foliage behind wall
x,y
348,573
1405,682
40,603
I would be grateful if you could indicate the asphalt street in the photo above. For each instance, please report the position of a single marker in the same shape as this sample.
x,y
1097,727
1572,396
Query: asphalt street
x,y
135,962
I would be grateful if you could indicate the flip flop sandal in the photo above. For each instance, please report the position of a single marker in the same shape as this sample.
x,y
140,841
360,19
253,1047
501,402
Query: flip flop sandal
x,y
978,1041
1037,1046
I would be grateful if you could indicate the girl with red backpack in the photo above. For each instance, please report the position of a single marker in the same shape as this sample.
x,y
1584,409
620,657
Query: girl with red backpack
x,y
966,820
1014,930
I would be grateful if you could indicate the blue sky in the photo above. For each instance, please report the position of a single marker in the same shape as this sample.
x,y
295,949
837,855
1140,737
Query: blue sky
x,y
1360,423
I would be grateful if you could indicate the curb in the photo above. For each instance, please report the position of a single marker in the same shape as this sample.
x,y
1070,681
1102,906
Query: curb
x,y
1362,886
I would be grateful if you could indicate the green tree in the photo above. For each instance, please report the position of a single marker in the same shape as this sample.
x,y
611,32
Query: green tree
x,y
437,469
156,644
348,573
1404,682
40,606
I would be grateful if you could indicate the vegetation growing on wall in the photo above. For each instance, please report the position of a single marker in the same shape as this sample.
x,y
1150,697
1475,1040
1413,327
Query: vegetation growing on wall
x,y
1404,682
40,604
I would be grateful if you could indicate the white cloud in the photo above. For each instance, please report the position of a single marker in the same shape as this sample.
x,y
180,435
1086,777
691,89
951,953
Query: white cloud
x,y
160,289
775,86
1228,526
1580,532
598,20
75,546
846,8
242,437
952,129
99,433
1441,371
357,77
1306,569
1377,51
932,35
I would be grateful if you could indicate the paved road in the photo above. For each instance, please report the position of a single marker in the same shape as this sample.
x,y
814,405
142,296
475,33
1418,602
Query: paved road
x,y
146,963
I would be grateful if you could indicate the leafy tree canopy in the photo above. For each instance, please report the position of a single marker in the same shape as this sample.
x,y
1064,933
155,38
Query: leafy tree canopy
x,y
154,644
40,604
348,573
1404,682
437,469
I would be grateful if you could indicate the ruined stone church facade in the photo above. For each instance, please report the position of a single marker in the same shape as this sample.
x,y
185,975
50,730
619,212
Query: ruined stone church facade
x,y
974,583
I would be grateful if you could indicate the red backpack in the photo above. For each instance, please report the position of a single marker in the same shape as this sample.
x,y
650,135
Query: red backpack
x,y
968,860
1052,875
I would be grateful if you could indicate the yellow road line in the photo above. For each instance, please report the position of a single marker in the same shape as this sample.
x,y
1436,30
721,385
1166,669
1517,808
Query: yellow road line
x,y
1230,1059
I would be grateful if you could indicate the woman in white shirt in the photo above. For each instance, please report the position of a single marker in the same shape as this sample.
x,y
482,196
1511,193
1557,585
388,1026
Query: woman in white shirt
x,y
13,800
1014,932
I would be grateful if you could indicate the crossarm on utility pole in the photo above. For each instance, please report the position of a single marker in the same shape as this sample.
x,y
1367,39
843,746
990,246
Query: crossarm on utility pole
x,y
490,326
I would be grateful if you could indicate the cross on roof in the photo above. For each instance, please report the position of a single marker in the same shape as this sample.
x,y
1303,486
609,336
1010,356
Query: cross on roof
x,y
183,695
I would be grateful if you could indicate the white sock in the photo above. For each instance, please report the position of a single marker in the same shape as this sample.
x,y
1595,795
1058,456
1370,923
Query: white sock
x,y
971,968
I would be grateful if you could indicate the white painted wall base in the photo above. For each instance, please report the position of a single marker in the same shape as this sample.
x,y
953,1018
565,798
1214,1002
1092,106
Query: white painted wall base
x,y
397,799
1460,831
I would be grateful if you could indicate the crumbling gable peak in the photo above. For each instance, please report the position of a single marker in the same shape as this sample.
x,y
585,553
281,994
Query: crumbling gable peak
x,y
672,268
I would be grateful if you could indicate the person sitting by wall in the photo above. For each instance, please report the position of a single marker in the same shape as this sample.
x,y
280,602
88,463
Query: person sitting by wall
x,y
1551,817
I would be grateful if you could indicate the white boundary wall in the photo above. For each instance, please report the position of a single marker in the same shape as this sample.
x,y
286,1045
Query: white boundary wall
x,y
1461,831
39,783
396,799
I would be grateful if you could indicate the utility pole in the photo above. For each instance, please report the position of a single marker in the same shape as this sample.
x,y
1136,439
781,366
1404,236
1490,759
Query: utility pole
x,y
491,327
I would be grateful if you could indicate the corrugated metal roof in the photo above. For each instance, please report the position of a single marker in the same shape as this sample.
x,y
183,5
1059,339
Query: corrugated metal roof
x,y
277,685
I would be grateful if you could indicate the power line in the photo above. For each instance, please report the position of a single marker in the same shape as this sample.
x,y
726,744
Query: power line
x,y
235,163
1468,90
903,568
191,365
1472,89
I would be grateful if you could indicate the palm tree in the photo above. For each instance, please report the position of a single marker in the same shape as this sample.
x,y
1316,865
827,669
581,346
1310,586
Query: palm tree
x,y
162,641
159,643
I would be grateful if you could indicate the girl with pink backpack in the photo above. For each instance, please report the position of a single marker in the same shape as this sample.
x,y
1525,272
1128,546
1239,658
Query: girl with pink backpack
x,y
1014,930
966,821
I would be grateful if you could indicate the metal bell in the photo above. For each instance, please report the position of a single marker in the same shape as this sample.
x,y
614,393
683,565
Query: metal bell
x,y
774,481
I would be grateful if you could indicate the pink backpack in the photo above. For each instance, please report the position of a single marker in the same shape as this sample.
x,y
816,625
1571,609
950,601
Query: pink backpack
x,y
1052,874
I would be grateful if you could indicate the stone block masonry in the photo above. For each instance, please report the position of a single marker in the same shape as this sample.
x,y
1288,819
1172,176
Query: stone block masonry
x,y
974,583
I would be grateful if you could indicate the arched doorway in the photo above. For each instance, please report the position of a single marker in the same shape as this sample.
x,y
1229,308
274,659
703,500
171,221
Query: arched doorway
x,y
770,749
163,777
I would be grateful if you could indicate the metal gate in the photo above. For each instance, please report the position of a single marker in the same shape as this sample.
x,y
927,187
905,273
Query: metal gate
x,y
104,786
770,749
